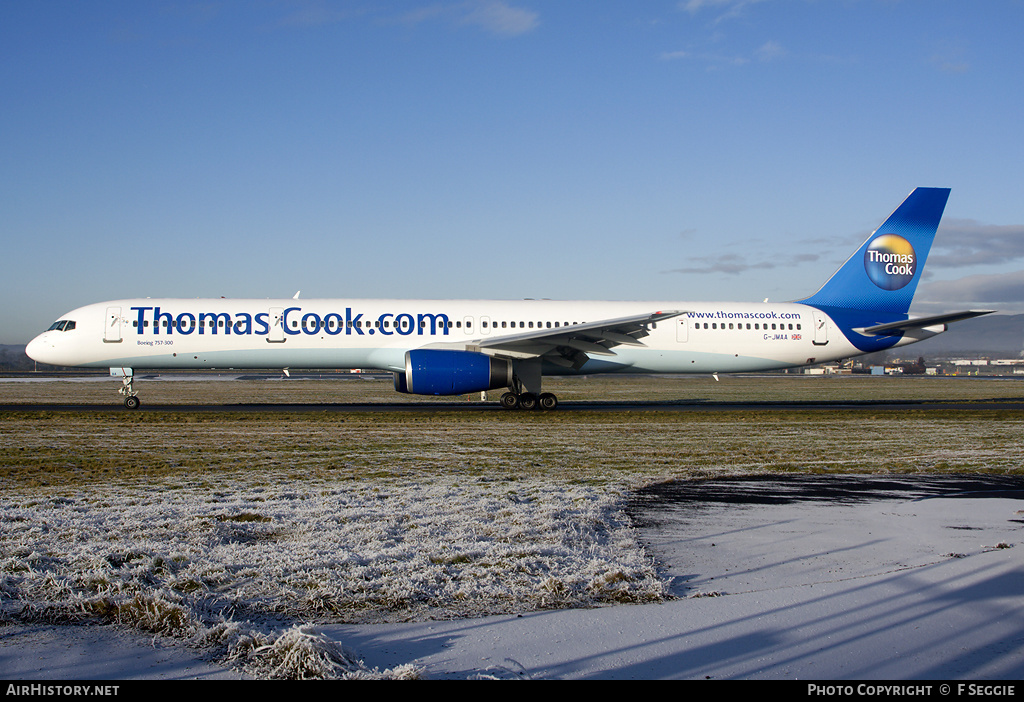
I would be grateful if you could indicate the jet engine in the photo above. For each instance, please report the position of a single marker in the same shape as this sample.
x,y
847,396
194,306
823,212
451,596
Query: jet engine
x,y
449,372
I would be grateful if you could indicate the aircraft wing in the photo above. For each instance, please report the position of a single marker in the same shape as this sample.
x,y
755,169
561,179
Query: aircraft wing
x,y
572,346
920,322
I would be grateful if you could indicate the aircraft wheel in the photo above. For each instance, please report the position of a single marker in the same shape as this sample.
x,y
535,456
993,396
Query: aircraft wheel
x,y
509,400
131,402
527,401
548,401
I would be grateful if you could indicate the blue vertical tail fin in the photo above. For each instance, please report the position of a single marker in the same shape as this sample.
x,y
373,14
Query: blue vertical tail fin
x,y
884,272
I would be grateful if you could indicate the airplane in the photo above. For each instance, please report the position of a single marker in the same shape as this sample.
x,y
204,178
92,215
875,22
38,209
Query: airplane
x,y
452,347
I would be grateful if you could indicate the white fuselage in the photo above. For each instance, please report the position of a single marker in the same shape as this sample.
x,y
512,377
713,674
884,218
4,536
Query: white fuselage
x,y
326,333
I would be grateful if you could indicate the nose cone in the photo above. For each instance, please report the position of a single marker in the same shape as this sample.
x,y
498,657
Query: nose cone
x,y
41,349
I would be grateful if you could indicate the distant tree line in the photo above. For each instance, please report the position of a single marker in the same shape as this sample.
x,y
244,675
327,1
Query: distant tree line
x,y
13,359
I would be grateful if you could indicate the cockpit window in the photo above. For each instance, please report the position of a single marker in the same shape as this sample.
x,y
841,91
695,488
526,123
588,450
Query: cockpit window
x,y
62,325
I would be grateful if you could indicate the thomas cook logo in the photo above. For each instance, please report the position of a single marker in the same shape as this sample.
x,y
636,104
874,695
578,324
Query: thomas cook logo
x,y
890,262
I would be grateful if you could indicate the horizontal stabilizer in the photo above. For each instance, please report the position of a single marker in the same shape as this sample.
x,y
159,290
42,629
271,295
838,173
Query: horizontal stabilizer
x,y
921,322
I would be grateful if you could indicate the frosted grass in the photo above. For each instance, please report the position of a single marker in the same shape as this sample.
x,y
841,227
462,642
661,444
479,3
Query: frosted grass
x,y
240,533
237,569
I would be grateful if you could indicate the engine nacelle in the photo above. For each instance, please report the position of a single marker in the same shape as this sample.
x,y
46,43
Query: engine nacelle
x,y
446,372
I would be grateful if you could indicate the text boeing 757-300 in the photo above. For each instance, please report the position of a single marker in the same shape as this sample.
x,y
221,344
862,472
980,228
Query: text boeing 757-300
x,y
450,347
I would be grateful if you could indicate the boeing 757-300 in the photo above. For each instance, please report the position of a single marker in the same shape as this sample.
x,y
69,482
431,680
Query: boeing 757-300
x,y
454,347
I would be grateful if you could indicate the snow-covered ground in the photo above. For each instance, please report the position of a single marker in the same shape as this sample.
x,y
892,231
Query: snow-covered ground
x,y
897,585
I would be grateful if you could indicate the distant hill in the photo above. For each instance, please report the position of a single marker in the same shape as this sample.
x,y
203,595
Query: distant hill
x,y
13,358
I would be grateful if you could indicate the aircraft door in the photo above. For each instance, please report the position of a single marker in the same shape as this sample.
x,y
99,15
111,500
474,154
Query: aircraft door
x,y
820,328
682,329
276,335
112,326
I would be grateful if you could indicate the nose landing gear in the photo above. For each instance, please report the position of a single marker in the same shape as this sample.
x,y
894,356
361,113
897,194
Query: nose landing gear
x,y
131,397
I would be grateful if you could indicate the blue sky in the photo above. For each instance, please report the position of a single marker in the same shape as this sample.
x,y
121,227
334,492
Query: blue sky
x,y
568,149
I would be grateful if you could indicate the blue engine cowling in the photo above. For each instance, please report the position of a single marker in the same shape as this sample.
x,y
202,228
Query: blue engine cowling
x,y
444,372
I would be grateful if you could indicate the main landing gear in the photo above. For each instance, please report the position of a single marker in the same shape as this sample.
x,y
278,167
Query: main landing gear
x,y
525,392
529,401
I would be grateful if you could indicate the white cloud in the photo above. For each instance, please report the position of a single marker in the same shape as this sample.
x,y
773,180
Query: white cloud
x,y
674,55
315,13
949,58
967,242
769,51
500,18
710,60
494,16
734,264
1002,288
731,8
